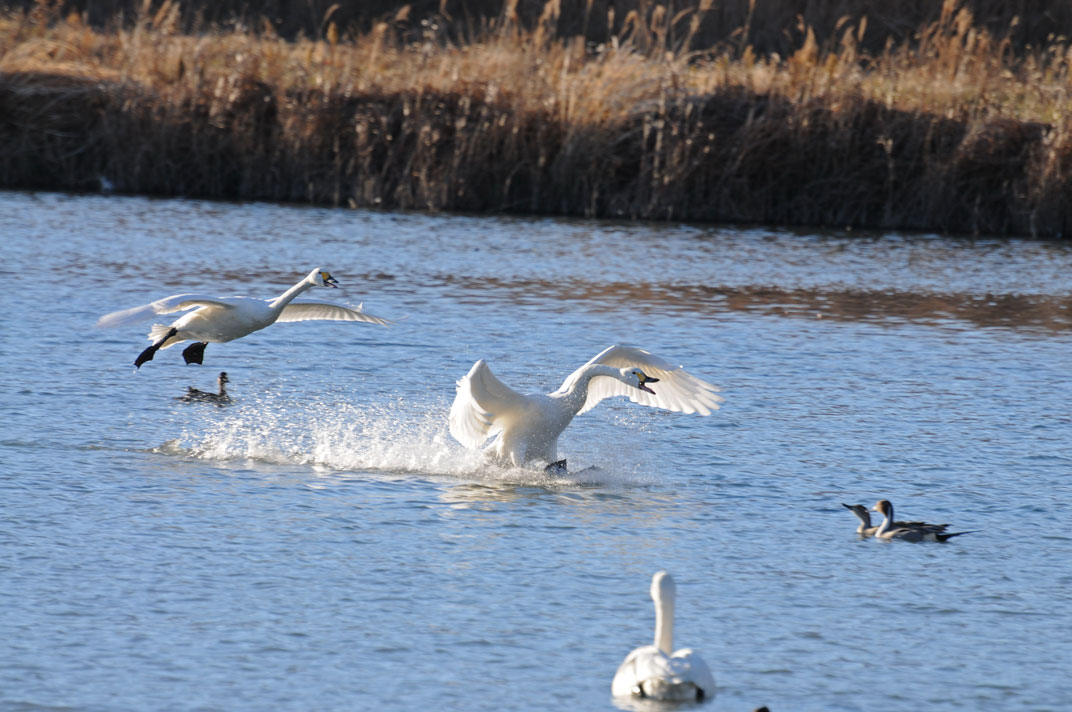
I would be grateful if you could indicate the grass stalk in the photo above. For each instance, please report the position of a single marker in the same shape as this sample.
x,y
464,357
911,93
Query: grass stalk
x,y
954,130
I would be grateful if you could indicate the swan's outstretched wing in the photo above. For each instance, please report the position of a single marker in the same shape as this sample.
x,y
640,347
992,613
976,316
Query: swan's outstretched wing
x,y
314,309
167,305
676,390
481,405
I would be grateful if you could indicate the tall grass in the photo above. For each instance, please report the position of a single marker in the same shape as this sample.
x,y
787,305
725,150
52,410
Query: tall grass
x,y
952,131
766,25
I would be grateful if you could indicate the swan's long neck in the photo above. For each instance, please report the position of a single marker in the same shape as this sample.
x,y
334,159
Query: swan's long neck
x,y
578,392
288,296
664,625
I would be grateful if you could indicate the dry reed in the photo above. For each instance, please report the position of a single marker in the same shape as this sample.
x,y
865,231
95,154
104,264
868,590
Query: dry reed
x,y
953,131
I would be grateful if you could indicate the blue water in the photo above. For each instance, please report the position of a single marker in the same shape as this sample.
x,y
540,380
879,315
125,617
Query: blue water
x,y
325,544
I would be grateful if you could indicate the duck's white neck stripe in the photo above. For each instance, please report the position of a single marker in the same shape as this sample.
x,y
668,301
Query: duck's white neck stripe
x,y
887,521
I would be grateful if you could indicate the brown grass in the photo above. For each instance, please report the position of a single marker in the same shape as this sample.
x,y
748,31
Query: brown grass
x,y
765,25
953,131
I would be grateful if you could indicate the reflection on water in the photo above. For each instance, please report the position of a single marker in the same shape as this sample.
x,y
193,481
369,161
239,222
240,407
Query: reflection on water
x,y
1051,312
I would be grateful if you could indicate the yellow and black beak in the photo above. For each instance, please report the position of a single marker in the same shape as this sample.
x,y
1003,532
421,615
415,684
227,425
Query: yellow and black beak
x,y
643,379
329,281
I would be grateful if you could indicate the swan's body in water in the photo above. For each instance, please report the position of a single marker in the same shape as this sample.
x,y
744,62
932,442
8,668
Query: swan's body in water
x,y
221,398
222,319
653,671
529,425
889,530
866,529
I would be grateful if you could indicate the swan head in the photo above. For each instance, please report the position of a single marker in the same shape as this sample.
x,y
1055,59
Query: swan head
x,y
322,278
638,379
883,507
663,588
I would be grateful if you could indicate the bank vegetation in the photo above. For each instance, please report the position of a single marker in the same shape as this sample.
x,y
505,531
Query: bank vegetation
x,y
952,127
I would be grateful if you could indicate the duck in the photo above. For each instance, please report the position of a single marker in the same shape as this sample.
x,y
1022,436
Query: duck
x,y
865,529
223,319
653,671
528,426
888,529
221,398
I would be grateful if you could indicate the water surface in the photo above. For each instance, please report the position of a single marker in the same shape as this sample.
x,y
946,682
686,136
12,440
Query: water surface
x,y
325,544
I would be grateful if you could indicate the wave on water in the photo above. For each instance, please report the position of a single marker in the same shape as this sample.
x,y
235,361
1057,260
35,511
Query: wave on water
x,y
395,437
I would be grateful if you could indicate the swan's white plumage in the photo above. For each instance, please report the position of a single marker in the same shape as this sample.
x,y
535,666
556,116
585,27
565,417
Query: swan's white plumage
x,y
678,390
308,309
653,671
483,407
167,305
649,672
528,426
222,319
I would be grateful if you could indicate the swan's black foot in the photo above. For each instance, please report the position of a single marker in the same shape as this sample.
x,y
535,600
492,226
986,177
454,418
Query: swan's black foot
x,y
148,353
195,353
557,468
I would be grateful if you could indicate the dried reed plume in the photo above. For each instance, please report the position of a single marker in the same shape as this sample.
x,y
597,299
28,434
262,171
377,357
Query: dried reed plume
x,y
951,131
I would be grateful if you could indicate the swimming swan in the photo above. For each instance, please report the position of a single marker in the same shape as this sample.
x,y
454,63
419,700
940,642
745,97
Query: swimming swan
x,y
197,395
652,671
529,426
865,529
889,530
222,319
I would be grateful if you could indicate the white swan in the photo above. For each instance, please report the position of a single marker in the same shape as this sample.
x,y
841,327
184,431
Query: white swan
x,y
529,426
222,319
652,671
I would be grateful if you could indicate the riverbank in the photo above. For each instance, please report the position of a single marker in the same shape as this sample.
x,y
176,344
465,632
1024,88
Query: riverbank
x,y
952,132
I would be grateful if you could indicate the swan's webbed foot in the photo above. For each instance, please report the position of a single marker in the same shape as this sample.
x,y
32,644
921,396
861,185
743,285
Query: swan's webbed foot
x,y
146,355
150,351
557,467
195,353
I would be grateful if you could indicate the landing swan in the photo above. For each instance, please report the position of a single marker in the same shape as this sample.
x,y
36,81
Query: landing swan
x,y
197,395
529,425
222,319
866,529
889,530
652,671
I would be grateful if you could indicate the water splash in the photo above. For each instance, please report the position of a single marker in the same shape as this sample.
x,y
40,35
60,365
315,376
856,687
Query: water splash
x,y
393,437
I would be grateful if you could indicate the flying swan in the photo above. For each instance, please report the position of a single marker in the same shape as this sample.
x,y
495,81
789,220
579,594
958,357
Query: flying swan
x,y
652,671
222,319
528,426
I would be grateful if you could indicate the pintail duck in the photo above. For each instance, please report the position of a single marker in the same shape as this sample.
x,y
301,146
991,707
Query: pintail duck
x,y
221,398
866,529
889,530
